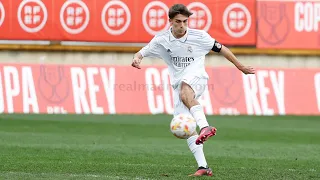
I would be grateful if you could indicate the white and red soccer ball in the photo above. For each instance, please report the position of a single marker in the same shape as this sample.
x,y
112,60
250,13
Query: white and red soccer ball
x,y
183,126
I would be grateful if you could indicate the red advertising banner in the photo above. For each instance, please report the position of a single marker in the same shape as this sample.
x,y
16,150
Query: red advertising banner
x,y
288,24
228,21
32,88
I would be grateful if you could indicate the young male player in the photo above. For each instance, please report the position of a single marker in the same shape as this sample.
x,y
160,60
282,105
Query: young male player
x,y
184,49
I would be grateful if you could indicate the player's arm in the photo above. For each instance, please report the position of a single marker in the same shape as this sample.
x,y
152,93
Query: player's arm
x,y
234,60
219,48
211,44
150,50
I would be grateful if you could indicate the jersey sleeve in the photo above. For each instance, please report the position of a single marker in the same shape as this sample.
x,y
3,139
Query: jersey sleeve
x,y
210,43
152,49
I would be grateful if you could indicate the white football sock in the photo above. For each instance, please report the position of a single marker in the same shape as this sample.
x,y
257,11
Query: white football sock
x,y
198,114
197,151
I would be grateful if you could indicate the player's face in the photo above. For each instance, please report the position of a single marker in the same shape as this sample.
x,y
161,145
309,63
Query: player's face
x,y
179,25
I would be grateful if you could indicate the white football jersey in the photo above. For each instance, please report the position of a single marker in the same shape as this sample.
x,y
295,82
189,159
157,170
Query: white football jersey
x,y
185,56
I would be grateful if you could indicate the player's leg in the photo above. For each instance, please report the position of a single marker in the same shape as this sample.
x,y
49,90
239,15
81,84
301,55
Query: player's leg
x,y
188,98
190,90
196,150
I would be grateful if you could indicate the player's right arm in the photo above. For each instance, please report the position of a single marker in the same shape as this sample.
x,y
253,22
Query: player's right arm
x,y
150,50
137,58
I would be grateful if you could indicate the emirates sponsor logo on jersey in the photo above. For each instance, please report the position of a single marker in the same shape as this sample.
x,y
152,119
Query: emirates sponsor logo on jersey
x,y
182,61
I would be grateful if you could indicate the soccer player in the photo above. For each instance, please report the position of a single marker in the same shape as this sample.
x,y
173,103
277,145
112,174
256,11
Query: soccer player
x,y
183,49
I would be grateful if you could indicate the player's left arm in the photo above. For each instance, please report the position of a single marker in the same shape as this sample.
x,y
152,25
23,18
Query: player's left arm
x,y
217,47
212,44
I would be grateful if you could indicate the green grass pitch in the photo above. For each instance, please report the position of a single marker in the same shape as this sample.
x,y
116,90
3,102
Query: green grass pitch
x,y
142,147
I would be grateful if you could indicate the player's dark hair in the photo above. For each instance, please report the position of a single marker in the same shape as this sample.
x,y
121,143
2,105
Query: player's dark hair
x,y
179,9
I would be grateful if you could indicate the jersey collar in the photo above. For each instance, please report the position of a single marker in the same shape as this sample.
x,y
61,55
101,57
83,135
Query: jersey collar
x,y
182,39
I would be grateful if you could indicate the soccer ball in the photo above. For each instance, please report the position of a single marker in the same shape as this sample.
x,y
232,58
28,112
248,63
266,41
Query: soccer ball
x,y
183,126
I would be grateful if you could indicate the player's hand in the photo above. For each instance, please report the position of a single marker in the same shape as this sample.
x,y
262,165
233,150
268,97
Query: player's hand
x,y
136,63
247,70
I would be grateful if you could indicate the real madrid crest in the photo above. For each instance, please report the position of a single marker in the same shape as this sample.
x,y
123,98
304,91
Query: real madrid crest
x,y
218,45
190,49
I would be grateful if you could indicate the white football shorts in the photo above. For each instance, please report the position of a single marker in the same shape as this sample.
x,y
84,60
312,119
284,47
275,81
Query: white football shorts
x,y
198,84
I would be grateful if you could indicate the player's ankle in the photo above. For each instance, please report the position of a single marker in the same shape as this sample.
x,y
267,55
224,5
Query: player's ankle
x,y
202,125
203,128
